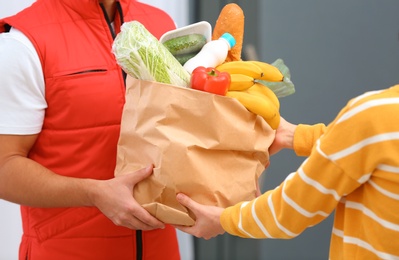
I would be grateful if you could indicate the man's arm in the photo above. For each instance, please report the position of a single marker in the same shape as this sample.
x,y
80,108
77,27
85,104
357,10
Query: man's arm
x,y
26,182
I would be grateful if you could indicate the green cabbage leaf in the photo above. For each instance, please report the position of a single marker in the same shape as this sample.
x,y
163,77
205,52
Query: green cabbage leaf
x,y
142,56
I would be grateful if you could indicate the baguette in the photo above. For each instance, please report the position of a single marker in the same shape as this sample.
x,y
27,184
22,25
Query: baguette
x,y
231,20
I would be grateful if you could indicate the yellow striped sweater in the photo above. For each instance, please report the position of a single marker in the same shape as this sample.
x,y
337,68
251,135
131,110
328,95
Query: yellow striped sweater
x,y
352,168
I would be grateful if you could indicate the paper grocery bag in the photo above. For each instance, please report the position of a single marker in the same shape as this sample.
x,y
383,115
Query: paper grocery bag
x,y
207,146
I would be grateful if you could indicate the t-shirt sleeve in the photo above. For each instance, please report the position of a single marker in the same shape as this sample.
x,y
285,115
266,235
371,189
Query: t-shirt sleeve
x,y
22,98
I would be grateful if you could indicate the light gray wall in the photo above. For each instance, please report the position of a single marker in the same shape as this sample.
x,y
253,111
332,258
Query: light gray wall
x,y
335,51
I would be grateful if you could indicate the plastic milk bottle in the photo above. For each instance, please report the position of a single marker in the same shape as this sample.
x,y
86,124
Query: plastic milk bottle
x,y
212,54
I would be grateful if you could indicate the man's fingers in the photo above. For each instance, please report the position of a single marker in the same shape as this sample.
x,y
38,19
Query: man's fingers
x,y
149,219
138,218
147,223
135,223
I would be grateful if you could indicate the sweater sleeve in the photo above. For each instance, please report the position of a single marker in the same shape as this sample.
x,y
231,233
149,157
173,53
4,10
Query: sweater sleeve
x,y
304,199
305,137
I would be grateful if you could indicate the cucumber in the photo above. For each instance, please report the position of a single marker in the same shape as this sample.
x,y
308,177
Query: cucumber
x,y
183,58
190,43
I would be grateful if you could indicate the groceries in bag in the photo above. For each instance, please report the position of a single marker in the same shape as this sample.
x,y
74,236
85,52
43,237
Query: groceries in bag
x,y
197,141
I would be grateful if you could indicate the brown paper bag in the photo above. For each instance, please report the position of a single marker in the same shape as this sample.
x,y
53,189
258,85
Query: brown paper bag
x,y
206,146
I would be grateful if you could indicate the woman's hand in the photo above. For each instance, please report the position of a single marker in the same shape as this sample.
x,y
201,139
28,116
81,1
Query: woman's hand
x,y
207,223
284,137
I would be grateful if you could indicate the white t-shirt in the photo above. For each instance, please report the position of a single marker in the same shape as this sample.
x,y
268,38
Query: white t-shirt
x,y
22,98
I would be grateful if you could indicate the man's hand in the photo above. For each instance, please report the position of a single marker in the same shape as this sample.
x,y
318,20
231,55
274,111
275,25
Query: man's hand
x,y
207,223
114,198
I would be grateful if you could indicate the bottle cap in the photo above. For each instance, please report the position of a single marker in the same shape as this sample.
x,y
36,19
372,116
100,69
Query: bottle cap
x,y
229,38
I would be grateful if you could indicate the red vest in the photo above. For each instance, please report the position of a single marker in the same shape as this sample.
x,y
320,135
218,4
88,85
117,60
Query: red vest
x,y
85,95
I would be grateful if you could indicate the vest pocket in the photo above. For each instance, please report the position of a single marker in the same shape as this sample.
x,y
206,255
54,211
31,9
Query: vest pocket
x,y
64,221
87,72
84,98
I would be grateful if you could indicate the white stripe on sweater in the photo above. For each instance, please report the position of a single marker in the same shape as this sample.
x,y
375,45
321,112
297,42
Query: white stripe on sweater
x,y
318,185
297,207
364,178
366,211
367,105
258,222
364,95
281,227
388,168
384,191
365,142
363,244
240,227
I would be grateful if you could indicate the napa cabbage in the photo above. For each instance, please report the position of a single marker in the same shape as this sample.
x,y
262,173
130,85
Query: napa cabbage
x,y
142,56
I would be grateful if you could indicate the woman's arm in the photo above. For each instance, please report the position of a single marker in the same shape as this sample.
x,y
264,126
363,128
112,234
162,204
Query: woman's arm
x,y
300,138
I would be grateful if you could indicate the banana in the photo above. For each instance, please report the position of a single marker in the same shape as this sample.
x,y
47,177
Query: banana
x,y
259,105
241,67
275,121
270,72
260,89
240,82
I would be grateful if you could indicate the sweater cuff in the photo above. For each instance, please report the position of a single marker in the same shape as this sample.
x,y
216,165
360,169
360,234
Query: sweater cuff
x,y
305,137
228,222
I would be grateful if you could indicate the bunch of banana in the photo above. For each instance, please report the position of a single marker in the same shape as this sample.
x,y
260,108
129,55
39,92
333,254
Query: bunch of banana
x,y
256,97
253,70
260,100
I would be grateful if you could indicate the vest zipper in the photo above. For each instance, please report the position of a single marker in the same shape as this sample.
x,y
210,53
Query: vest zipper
x,y
120,11
109,22
139,233
111,28
139,245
